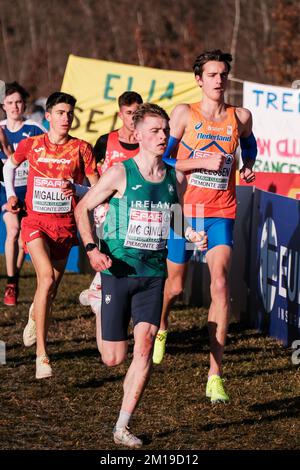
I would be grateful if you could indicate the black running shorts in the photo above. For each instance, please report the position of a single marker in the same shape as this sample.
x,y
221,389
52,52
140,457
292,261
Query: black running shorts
x,y
139,298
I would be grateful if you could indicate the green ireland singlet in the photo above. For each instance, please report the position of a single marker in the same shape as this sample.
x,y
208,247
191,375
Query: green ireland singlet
x,y
137,225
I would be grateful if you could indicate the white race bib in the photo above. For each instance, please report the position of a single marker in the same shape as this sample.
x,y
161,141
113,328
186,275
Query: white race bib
x,y
147,230
21,174
48,197
211,179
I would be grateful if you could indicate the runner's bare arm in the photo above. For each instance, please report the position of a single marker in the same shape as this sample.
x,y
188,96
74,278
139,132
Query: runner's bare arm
x,y
93,179
178,122
112,183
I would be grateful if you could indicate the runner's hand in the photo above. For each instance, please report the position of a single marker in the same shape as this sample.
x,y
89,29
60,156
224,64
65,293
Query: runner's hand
x,y
68,188
198,238
13,205
99,261
247,174
213,162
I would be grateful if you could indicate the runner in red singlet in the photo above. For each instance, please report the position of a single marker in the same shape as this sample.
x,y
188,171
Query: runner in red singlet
x,y
48,230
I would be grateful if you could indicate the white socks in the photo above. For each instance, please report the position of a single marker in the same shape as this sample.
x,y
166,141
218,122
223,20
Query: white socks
x,y
123,419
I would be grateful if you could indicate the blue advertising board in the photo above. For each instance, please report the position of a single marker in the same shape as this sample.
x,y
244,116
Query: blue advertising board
x,y
275,269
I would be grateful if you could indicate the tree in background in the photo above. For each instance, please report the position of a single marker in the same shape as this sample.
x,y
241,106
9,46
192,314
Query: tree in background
x,y
37,37
283,64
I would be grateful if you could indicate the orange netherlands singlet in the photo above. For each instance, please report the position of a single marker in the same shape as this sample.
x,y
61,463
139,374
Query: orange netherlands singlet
x,y
210,193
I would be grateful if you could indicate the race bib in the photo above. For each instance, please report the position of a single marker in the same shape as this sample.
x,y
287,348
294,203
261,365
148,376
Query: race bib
x,y
209,178
21,174
48,196
147,230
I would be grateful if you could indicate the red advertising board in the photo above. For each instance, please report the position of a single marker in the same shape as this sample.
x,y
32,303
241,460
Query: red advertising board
x,y
286,184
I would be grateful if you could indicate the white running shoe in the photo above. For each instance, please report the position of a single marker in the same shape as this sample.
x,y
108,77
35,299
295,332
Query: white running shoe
x,y
43,368
29,333
124,437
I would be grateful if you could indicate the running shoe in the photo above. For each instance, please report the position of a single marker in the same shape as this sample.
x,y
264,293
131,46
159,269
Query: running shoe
x,y
10,295
124,437
215,390
29,333
159,346
43,368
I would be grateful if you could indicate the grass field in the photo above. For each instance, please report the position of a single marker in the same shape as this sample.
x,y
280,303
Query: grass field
x,y
78,406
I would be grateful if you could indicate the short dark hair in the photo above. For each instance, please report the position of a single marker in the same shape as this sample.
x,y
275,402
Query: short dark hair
x,y
15,87
215,54
128,98
59,97
148,109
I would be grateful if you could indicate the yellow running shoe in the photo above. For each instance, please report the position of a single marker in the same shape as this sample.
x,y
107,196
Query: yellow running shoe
x,y
215,390
159,346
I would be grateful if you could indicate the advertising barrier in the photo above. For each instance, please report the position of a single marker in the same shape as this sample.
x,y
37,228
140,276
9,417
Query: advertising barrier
x,y
275,266
286,184
275,112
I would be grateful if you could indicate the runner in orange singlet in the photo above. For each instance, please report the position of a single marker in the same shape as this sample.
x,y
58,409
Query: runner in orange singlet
x,y
49,230
209,133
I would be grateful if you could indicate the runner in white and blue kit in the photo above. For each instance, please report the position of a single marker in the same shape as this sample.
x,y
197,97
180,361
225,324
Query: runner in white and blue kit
x,y
15,128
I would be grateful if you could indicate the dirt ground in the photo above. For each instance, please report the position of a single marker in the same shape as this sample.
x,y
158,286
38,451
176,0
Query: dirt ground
x,y
78,406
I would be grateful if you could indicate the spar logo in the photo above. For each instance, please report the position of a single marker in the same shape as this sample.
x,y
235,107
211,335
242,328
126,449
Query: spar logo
x,y
279,272
268,276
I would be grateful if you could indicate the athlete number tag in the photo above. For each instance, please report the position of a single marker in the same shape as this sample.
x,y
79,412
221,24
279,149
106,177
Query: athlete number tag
x,y
211,179
148,230
21,174
48,196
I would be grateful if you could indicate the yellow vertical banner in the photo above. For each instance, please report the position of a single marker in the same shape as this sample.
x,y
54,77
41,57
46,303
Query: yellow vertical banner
x,y
97,84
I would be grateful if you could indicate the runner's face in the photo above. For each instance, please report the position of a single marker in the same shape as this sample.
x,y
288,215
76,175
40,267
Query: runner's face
x,y
61,118
14,106
213,80
126,114
152,134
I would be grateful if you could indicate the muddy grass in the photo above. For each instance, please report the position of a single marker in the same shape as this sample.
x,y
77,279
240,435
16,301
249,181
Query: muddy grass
x,y
77,407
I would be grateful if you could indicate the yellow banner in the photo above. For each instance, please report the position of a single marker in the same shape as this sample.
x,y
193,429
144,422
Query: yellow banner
x,y
97,84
